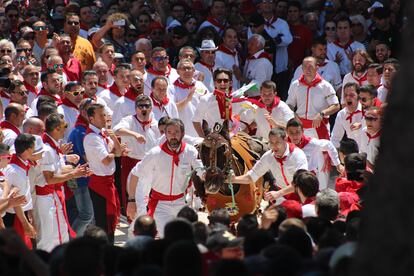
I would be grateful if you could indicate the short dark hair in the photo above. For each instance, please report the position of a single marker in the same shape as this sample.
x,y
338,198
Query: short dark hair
x,y
188,213
14,84
294,123
142,98
4,148
369,89
11,109
319,41
154,80
219,215
122,66
343,18
377,67
157,49
278,132
394,62
348,146
163,121
23,142
93,107
53,121
296,4
71,84
352,84
269,84
45,74
46,109
223,70
88,73
246,225
307,182
175,122
44,99
355,162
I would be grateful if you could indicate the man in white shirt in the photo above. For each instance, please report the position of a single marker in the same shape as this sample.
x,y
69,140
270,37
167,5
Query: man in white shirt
x,y
101,148
206,64
314,99
283,160
140,134
258,67
165,168
18,94
162,105
186,93
370,135
349,119
217,18
390,68
271,111
90,83
101,70
70,105
31,78
318,161
14,115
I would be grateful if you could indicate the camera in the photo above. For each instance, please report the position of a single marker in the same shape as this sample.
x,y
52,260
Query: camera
x,y
4,81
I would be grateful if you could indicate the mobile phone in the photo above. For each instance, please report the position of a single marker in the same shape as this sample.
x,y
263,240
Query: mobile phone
x,y
120,22
21,58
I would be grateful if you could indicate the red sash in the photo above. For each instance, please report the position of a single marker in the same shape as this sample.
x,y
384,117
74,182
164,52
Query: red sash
x,y
18,227
156,196
221,98
8,125
322,130
344,185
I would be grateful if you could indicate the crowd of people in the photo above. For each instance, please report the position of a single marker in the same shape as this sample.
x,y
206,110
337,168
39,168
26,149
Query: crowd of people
x,y
104,104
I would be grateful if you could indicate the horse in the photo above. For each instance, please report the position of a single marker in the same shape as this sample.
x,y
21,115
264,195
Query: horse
x,y
222,157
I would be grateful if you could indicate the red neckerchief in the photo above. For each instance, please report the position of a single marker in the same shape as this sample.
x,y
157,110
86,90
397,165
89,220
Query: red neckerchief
x,y
178,82
130,94
376,135
143,123
377,102
57,98
216,23
262,55
221,98
309,200
31,88
350,115
8,125
269,23
101,133
314,82
175,155
209,67
346,46
48,140
80,121
226,50
112,71
303,141
66,102
281,160
4,95
114,89
361,79
17,161
104,86
152,71
269,109
158,104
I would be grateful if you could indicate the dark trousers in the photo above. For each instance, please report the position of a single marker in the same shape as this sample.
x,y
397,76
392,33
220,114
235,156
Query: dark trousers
x,y
102,220
282,81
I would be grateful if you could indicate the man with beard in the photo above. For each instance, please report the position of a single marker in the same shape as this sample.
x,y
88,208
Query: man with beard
x,y
72,66
382,52
90,84
31,79
370,135
349,119
140,133
51,86
125,105
18,94
367,95
165,169
390,68
328,69
360,62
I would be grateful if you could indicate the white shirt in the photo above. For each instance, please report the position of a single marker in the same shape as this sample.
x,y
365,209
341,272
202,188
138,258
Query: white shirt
x,y
352,78
17,177
219,30
281,114
70,114
51,161
313,151
281,27
123,107
208,75
170,110
172,76
295,160
308,106
225,60
108,97
259,69
382,93
346,64
329,72
343,125
369,146
96,150
187,112
150,133
9,137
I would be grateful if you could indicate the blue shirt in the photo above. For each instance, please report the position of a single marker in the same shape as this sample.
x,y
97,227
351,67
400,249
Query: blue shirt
x,y
76,138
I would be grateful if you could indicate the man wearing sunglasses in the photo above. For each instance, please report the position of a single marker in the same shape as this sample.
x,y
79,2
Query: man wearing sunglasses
x,y
14,115
140,133
55,63
31,78
370,135
41,41
18,94
72,96
206,64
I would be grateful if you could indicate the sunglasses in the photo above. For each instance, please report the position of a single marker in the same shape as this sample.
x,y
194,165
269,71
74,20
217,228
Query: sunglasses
x,y
371,119
56,66
27,50
159,59
4,51
6,156
142,106
39,28
76,92
222,80
72,23
330,28
21,58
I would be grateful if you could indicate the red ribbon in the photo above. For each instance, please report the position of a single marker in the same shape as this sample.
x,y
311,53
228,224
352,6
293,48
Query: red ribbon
x,y
48,140
262,55
158,104
350,115
66,102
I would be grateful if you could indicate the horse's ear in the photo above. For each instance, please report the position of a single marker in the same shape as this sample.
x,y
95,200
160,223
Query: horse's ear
x,y
225,130
205,128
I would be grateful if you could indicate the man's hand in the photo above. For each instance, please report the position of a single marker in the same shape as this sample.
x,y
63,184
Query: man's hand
x,y
140,138
131,210
16,200
316,122
237,73
29,230
81,171
66,148
72,158
355,126
341,170
270,120
269,216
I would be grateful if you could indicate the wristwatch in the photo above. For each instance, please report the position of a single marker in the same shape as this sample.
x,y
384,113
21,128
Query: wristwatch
x,y
322,114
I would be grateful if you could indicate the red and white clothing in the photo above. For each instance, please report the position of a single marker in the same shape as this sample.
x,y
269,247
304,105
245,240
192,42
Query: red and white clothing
x,y
32,92
344,120
50,200
226,58
383,93
111,95
353,78
57,98
70,112
179,92
282,168
346,64
124,106
279,111
164,108
166,172
310,99
10,132
97,147
208,71
215,23
370,144
328,70
258,68
317,161
171,74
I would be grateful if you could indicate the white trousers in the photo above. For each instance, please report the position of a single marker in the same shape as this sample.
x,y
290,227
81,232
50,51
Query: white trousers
x,y
165,212
48,210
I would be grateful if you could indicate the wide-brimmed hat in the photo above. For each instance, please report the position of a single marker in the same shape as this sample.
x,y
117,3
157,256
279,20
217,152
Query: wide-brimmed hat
x,y
208,45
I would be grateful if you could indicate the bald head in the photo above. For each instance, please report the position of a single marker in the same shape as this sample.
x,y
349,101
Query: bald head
x,y
34,126
145,226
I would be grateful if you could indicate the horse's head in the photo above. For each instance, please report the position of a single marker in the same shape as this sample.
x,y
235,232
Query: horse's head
x,y
216,155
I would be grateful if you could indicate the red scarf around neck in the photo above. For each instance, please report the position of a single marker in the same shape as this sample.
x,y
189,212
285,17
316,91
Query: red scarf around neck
x,y
376,135
130,94
361,79
303,141
269,23
18,162
313,83
351,115
269,109
31,88
209,66
48,140
8,125
221,98
143,123
66,102
57,98
346,46
175,154
179,83
216,23
114,89
154,72
80,121
158,104
226,50
262,55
